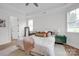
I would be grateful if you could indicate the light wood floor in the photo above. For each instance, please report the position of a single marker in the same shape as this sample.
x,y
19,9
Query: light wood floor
x,y
4,46
60,50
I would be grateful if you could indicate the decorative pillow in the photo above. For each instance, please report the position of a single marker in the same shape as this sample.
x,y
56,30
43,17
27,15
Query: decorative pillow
x,y
50,33
41,34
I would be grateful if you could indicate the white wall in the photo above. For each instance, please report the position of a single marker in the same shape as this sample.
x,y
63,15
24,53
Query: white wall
x,y
52,21
73,39
5,33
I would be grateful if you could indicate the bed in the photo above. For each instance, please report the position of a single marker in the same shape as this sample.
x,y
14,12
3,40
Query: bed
x,y
44,45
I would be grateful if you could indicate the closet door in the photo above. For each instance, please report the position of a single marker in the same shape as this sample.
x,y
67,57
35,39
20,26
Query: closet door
x,y
14,27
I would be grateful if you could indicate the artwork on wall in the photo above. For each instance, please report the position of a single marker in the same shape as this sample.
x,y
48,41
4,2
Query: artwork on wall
x,y
2,23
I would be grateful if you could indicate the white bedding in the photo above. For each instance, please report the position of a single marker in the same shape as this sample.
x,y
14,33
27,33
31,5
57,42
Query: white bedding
x,y
45,45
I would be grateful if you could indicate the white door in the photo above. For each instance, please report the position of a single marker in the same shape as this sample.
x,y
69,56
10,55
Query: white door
x,y
14,27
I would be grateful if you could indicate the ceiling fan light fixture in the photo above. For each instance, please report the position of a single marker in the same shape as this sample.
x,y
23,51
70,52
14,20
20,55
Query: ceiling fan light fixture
x,y
35,4
27,4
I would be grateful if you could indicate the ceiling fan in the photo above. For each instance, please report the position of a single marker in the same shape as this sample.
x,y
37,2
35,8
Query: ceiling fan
x,y
33,4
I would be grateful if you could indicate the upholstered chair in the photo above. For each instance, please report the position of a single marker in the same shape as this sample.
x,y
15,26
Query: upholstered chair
x,y
28,43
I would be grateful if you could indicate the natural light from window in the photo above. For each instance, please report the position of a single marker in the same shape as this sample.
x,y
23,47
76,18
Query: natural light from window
x,y
30,24
73,21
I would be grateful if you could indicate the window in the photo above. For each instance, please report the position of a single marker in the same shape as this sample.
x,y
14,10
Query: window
x,y
73,21
30,24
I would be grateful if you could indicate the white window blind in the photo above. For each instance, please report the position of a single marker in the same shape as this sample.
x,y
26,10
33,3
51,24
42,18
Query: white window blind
x,y
73,21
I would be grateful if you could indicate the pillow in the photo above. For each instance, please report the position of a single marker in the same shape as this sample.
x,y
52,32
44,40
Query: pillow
x,y
41,34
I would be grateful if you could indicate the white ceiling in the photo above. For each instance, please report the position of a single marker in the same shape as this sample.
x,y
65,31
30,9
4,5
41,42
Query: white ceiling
x,y
21,8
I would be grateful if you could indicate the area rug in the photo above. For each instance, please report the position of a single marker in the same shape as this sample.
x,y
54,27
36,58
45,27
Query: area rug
x,y
19,52
71,51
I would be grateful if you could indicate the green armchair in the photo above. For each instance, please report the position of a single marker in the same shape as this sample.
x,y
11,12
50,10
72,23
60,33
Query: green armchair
x,y
61,39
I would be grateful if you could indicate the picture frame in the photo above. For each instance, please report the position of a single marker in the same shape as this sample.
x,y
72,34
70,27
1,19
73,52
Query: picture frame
x,y
2,23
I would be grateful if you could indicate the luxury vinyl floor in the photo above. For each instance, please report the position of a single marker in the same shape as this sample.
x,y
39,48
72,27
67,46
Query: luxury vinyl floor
x,y
10,49
7,45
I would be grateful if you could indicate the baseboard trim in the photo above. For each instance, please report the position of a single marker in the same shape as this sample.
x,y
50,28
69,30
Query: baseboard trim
x,y
6,42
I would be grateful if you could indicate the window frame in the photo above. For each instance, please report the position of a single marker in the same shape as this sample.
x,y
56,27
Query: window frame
x,y
32,24
67,17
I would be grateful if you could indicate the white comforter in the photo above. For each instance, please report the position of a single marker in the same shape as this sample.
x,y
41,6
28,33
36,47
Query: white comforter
x,y
45,44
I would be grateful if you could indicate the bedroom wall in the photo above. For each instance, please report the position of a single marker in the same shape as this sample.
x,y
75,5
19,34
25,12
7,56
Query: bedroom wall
x,y
5,32
53,21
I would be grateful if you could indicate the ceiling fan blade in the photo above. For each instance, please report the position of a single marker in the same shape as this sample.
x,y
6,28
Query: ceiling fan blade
x,y
35,4
27,4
